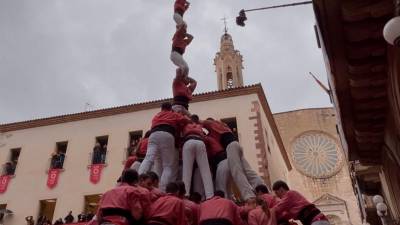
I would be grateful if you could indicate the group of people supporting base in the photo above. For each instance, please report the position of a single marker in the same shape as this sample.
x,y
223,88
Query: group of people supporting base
x,y
136,200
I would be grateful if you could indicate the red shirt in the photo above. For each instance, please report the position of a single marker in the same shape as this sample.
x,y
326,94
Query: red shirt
x,y
271,200
179,88
180,5
290,205
193,129
129,162
171,118
191,211
170,209
213,146
130,198
143,147
216,128
156,194
220,208
179,39
258,217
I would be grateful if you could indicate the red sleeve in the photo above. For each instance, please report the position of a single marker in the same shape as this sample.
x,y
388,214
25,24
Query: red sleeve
x,y
146,204
237,219
180,212
252,220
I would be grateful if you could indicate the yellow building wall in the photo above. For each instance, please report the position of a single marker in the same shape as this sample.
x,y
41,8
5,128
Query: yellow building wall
x,y
29,184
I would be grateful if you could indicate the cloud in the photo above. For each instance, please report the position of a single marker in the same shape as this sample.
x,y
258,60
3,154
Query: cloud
x,y
56,55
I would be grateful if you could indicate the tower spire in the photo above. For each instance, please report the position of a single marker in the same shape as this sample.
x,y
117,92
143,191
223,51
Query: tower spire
x,y
225,25
228,63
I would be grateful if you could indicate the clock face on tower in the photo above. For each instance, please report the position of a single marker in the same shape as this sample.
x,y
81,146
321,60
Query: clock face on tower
x,y
316,155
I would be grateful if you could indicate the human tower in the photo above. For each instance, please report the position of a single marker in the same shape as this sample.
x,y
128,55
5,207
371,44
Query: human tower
x,y
217,156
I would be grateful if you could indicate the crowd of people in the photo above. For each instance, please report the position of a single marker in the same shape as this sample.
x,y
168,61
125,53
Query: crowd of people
x,y
179,172
195,159
43,220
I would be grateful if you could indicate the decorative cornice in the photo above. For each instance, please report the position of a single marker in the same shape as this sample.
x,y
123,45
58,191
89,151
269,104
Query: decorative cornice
x,y
207,96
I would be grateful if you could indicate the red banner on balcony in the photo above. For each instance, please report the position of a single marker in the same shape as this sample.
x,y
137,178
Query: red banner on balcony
x,y
4,180
95,172
52,178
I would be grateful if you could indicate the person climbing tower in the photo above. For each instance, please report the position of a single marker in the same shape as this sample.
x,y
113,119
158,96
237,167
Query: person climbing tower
x,y
180,41
180,8
182,89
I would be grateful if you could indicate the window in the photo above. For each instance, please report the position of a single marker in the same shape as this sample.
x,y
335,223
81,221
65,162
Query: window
x,y
229,80
134,138
100,150
46,210
58,157
91,204
10,166
231,122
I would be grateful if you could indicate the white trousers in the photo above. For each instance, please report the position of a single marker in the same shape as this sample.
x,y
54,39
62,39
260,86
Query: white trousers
x,y
243,175
321,222
196,150
178,60
222,177
156,168
178,19
181,109
162,144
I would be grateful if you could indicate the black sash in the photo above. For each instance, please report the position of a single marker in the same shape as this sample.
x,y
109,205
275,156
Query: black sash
x,y
182,100
120,212
307,214
216,222
178,50
164,127
227,138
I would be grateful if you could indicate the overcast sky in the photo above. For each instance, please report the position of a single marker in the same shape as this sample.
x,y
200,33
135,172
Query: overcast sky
x,y
56,55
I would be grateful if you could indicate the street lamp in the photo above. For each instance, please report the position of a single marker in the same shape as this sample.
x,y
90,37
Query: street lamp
x,y
242,14
381,208
391,31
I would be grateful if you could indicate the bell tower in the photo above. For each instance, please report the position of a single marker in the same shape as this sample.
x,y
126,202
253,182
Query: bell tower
x,y
228,64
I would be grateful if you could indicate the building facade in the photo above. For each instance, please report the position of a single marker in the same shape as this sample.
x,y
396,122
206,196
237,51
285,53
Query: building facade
x,y
320,168
363,73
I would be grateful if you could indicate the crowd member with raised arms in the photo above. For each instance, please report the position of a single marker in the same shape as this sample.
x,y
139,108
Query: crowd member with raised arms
x,y
125,204
244,176
180,41
293,205
165,126
180,8
182,89
169,209
194,150
219,211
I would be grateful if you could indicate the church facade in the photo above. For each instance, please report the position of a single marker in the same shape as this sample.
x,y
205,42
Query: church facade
x,y
320,169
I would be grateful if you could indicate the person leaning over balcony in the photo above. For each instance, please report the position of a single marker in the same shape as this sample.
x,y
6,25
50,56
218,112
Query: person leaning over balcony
x,y
293,205
126,204
96,158
244,176
182,89
165,127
